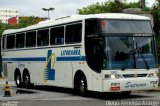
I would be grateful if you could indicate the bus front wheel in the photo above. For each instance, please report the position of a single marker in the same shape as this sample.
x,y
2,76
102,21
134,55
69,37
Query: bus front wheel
x,y
82,86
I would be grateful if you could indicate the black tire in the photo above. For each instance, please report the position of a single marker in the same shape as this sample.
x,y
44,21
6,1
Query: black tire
x,y
18,80
26,80
82,86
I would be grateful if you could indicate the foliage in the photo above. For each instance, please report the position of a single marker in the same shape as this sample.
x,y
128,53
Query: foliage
x,y
114,6
23,22
3,27
29,20
156,15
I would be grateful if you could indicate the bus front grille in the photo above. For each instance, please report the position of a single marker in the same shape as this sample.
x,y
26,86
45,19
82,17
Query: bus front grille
x,y
134,75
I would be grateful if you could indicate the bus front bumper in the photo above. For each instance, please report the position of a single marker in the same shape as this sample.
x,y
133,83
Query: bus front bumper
x,y
130,84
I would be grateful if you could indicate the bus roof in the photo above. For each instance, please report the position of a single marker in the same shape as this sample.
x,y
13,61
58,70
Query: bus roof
x,y
74,18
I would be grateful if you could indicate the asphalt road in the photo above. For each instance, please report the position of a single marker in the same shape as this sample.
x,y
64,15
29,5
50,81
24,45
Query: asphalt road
x,y
54,96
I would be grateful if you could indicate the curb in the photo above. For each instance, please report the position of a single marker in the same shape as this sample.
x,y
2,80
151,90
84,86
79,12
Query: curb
x,y
157,90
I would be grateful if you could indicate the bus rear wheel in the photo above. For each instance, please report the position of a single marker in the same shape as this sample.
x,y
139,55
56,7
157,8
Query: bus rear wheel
x,y
18,80
26,80
82,86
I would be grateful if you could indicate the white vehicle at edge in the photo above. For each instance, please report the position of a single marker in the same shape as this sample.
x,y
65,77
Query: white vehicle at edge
x,y
101,52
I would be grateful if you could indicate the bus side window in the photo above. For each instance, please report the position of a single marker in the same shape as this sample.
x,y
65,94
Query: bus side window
x,y
43,37
73,33
3,43
93,49
95,53
20,40
57,36
10,41
91,27
31,39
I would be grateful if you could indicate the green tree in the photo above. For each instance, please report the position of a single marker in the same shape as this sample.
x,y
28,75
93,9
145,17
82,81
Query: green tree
x,y
29,20
3,27
23,22
156,15
114,6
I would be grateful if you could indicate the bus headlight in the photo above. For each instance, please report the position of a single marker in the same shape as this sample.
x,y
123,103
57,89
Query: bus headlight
x,y
155,74
112,76
152,75
116,76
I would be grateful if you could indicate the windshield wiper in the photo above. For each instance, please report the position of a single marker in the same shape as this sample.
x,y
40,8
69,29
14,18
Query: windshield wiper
x,y
133,52
144,60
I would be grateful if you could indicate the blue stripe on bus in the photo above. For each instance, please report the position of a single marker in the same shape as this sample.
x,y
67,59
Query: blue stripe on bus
x,y
75,58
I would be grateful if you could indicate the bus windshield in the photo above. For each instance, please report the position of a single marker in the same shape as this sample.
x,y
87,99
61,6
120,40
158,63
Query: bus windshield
x,y
127,44
129,53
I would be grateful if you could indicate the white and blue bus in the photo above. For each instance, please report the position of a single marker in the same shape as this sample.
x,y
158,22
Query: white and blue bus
x,y
101,52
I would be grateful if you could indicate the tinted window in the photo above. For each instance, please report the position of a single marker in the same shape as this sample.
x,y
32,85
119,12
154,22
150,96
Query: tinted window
x,y
20,40
57,36
3,44
125,26
31,39
91,27
73,33
43,37
10,41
